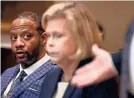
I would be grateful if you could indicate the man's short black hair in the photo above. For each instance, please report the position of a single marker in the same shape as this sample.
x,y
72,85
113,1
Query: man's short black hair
x,y
33,17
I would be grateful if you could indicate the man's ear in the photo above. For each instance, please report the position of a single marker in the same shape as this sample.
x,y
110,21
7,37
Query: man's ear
x,y
43,38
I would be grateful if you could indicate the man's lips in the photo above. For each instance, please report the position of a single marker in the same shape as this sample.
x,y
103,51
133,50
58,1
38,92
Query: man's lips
x,y
20,54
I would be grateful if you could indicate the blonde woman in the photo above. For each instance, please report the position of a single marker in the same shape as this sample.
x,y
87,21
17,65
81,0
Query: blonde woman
x,y
71,30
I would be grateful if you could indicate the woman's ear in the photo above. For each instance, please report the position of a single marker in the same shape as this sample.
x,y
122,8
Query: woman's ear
x,y
43,38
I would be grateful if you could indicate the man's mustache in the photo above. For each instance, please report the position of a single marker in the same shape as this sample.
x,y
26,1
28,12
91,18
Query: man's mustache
x,y
20,52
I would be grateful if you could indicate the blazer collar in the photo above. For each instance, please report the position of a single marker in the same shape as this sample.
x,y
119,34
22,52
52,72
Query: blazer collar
x,y
71,89
50,84
40,72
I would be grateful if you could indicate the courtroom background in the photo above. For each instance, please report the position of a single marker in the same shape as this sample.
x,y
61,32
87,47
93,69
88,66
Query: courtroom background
x,y
114,16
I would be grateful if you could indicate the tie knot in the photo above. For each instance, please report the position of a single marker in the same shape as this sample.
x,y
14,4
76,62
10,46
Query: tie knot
x,y
22,75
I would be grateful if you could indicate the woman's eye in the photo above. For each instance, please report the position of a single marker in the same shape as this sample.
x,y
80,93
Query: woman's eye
x,y
59,35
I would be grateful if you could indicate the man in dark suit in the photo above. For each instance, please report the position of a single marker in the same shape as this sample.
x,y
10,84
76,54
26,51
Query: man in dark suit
x,y
28,45
103,67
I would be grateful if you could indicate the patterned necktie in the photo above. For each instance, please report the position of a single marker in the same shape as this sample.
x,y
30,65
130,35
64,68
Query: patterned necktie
x,y
16,82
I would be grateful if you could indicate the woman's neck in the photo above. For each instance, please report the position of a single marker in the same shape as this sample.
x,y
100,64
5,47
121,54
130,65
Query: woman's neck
x,y
68,69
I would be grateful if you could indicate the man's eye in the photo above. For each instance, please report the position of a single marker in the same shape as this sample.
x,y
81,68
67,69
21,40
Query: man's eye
x,y
27,36
13,37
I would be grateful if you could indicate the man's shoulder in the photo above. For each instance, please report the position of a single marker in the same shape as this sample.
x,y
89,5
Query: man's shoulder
x,y
45,69
10,70
54,71
49,64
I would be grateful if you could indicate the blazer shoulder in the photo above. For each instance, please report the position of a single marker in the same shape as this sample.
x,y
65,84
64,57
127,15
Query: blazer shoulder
x,y
10,70
54,71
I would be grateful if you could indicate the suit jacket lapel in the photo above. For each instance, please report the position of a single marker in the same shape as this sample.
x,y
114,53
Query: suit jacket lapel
x,y
39,73
6,79
50,84
69,91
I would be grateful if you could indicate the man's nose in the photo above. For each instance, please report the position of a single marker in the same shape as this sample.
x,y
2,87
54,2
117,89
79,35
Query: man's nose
x,y
19,43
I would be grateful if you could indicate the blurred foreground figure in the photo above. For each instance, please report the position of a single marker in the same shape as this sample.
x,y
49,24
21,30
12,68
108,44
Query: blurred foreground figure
x,y
72,32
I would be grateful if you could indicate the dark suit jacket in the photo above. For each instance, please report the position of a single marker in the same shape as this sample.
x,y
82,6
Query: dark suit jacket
x,y
117,59
106,89
30,87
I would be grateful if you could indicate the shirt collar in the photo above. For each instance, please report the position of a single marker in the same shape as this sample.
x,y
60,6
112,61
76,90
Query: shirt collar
x,y
36,65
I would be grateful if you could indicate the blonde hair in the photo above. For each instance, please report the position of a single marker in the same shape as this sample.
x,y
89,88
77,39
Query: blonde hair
x,y
81,22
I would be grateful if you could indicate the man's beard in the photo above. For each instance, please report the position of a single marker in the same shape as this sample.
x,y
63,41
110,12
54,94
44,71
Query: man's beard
x,y
30,57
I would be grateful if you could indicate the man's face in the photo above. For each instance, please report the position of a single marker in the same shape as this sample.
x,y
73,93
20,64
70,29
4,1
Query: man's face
x,y
25,41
